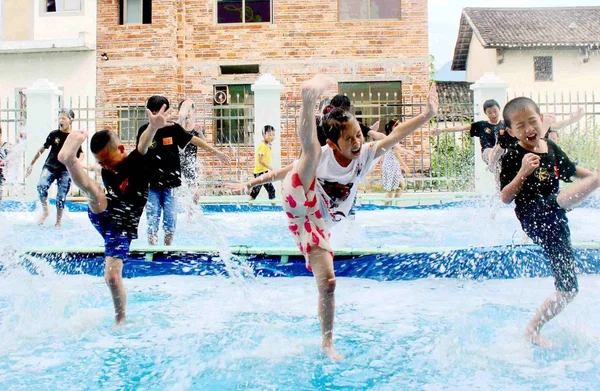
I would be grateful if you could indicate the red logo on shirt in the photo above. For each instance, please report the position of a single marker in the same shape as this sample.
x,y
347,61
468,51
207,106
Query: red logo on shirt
x,y
168,141
556,172
124,185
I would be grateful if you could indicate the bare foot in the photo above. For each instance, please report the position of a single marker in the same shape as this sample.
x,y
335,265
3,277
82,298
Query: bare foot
x,y
330,351
533,336
119,320
68,152
43,216
152,240
58,225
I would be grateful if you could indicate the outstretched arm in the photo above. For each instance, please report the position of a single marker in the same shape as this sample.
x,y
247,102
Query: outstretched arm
x,y
573,118
405,128
197,141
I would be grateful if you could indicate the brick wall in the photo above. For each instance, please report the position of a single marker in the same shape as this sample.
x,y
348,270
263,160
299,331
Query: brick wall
x,y
179,54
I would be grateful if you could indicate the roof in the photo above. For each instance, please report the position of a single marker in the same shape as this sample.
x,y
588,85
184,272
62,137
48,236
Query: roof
x,y
526,28
456,101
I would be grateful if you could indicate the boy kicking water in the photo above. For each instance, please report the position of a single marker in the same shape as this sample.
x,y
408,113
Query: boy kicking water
x,y
116,214
529,175
319,189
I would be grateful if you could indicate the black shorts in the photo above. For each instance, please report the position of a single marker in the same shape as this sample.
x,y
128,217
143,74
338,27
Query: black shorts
x,y
548,227
268,186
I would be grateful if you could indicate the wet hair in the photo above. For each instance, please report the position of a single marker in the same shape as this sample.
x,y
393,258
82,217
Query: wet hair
x,y
101,139
181,102
268,128
68,112
517,104
155,102
488,104
390,125
341,101
335,122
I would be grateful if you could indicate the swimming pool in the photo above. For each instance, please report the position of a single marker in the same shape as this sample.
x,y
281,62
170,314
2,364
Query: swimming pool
x,y
232,327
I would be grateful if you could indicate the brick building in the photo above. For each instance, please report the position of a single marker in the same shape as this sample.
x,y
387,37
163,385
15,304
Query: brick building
x,y
376,49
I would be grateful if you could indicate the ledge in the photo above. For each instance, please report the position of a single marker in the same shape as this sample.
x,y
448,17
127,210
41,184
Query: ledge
x,y
83,43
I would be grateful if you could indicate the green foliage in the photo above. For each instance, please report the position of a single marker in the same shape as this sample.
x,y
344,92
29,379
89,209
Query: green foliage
x,y
453,158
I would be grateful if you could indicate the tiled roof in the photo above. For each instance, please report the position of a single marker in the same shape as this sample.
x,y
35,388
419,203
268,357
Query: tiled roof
x,y
456,101
527,27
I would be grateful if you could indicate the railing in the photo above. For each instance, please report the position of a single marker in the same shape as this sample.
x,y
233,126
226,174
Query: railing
x,y
13,116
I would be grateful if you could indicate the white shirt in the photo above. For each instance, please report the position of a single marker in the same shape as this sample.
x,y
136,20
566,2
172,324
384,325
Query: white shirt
x,y
337,186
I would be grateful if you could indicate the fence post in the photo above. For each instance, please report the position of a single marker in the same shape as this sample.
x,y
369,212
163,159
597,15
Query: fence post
x,y
42,117
267,103
489,86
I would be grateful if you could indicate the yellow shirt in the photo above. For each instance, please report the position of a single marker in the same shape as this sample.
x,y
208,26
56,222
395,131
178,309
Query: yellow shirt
x,y
263,150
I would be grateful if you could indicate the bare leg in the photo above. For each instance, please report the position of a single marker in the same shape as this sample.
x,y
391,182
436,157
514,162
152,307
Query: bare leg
x,y
307,131
576,193
322,265
68,156
59,216
113,275
549,309
169,238
388,194
45,212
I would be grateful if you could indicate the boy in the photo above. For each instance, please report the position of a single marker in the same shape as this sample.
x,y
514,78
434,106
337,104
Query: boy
x,y
319,189
262,162
490,132
53,169
529,174
165,164
116,214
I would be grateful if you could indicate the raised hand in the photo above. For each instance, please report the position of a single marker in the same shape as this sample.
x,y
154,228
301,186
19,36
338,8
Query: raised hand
x,y
435,132
238,187
433,102
223,157
161,119
316,86
530,163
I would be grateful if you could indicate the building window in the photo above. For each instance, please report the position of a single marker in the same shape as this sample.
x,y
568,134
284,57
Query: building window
x,y
542,67
374,101
130,120
135,12
233,106
239,69
369,9
244,11
63,5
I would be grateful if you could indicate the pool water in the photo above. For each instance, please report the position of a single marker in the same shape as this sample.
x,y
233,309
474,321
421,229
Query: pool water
x,y
213,333
470,226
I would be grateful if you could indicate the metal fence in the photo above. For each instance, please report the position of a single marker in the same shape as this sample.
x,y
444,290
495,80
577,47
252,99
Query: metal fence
x,y
443,163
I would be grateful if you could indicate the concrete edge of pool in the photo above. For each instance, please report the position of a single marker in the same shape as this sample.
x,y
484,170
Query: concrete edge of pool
x,y
400,263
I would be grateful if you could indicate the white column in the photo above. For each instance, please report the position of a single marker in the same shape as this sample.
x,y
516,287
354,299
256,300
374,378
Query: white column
x,y
489,86
267,103
42,118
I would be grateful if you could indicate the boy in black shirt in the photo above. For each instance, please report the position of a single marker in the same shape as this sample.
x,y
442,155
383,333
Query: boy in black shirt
x,y
116,214
53,169
164,162
491,133
529,175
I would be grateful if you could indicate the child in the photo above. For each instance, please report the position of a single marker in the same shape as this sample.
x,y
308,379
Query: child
x,y
392,167
529,175
165,164
53,169
116,214
189,154
262,162
320,188
490,133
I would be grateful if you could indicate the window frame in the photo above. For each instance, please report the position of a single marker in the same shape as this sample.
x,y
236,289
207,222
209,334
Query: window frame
x,y
123,13
536,72
339,3
247,117
243,22
138,121
369,118
45,13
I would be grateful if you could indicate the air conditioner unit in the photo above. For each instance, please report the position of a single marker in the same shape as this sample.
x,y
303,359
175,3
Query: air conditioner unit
x,y
221,94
